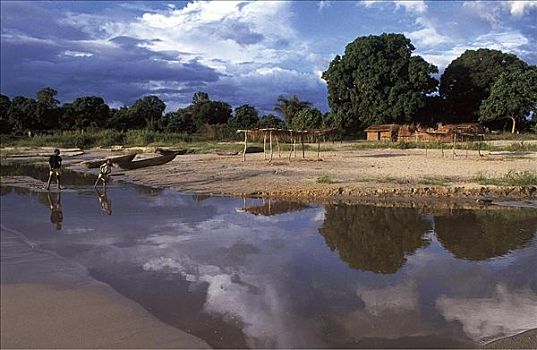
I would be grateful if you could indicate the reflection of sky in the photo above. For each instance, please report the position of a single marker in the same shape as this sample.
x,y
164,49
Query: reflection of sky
x,y
278,278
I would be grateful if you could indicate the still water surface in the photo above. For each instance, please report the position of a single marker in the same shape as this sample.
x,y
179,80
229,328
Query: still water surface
x,y
257,274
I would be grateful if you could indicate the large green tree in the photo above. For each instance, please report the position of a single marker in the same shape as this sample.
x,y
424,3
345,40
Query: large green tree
x,y
23,114
146,112
85,112
46,97
513,96
180,121
119,119
307,118
377,81
467,81
210,112
5,103
245,117
270,121
289,107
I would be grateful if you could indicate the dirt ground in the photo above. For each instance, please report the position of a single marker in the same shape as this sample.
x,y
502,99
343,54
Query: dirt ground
x,y
343,172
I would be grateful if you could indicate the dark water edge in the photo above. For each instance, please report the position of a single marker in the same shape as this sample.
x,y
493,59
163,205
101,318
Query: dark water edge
x,y
279,274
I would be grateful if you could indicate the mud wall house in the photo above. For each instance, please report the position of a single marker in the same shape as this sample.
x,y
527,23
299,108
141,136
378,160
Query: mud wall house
x,y
384,132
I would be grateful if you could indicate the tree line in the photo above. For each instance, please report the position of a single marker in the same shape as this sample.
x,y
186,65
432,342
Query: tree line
x,y
44,113
375,81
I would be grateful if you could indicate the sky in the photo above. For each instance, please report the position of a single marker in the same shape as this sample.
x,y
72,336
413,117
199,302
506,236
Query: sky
x,y
237,51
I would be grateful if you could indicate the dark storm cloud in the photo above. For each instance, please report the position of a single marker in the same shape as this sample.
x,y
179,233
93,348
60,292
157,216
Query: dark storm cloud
x,y
36,20
118,71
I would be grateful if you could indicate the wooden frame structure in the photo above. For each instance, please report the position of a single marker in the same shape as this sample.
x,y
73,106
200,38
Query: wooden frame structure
x,y
290,136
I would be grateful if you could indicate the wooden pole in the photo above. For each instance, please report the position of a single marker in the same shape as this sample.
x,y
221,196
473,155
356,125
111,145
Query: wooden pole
x,y
264,145
245,145
270,140
442,148
425,149
294,145
454,143
302,142
467,147
318,148
278,144
291,152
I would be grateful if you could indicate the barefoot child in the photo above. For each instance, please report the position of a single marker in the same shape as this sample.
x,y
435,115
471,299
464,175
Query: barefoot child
x,y
55,165
104,173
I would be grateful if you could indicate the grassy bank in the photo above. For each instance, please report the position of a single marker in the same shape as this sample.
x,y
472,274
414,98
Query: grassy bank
x,y
136,138
142,138
515,146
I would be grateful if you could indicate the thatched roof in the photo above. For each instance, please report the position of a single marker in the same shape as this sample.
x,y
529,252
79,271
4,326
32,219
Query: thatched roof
x,y
383,127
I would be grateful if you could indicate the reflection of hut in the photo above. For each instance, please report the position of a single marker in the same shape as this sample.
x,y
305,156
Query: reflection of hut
x,y
385,132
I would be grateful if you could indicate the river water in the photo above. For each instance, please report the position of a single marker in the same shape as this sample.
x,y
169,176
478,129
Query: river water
x,y
254,273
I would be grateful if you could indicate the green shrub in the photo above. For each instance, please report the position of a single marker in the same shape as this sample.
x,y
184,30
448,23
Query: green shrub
x,y
325,179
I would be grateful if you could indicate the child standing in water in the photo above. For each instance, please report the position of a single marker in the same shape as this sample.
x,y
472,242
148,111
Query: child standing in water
x,y
104,173
55,165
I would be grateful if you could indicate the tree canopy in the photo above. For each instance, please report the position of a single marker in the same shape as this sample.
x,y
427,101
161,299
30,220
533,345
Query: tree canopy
x,y
146,112
270,121
289,107
84,112
245,117
307,118
467,81
377,81
513,96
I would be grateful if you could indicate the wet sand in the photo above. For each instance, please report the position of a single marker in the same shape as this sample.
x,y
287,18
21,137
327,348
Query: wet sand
x,y
49,302
525,340
52,316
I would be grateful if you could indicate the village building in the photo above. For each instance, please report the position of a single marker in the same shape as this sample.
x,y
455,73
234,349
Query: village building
x,y
415,133
385,132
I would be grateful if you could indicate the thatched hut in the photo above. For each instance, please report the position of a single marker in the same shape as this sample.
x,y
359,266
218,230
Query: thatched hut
x,y
384,132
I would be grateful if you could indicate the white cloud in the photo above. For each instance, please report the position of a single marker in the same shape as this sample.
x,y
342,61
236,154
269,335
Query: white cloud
x,y
486,10
368,3
520,8
418,6
509,41
427,35
391,299
77,53
323,4
503,314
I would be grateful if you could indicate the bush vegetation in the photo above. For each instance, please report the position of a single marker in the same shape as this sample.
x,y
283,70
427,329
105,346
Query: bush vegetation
x,y
512,178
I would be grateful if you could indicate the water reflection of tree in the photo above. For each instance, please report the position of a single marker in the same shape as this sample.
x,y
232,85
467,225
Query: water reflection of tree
x,y
374,238
5,190
484,234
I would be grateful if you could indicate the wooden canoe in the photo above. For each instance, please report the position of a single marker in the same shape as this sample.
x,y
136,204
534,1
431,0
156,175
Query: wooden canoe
x,y
160,160
167,151
97,163
226,153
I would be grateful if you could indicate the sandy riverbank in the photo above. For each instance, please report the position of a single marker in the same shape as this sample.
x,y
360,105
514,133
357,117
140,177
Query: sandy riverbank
x,y
350,173
50,316
48,302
